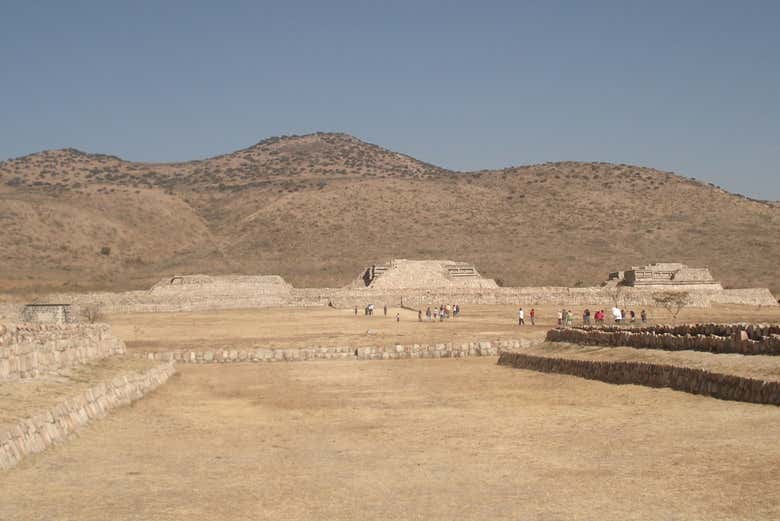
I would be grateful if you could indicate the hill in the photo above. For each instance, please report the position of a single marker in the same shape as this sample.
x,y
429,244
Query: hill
x,y
318,208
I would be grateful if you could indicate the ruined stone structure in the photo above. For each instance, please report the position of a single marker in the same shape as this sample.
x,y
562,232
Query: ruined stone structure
x,y
429,274
31,350
687,379
746,339
48,313
411,283
380,352
665,276
55,425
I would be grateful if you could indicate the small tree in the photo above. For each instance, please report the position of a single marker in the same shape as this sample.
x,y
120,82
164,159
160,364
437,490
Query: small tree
x,y
616,295
673,301
92,313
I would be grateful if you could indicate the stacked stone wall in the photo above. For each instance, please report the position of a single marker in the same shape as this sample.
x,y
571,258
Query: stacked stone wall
x,y
36,433
439,350
691,380
224,296
29,350
659,338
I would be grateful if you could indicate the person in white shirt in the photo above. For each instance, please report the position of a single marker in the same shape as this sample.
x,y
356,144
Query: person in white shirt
x,y
520,317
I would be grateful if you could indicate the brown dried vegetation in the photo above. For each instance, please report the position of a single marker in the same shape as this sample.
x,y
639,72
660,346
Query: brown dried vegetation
x,y
317,208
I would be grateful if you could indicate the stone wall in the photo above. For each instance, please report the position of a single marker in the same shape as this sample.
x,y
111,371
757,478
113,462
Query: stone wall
x,y
696,381
446,350
224,295
691,338
29,350
36,433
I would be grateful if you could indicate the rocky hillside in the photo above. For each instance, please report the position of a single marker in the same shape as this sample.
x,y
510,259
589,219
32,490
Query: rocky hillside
x,y
317,208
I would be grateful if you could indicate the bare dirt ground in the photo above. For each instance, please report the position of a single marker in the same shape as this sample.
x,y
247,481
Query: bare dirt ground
x,y
307,327
412,439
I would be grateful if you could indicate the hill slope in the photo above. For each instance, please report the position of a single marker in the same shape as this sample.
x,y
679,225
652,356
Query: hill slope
x,y
317,208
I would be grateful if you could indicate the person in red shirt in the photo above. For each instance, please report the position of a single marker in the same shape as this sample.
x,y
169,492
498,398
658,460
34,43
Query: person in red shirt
x,y
532,314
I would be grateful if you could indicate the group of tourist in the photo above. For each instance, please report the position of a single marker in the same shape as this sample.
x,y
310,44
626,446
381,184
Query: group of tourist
x,y
621,316
521,316
566,317
441,313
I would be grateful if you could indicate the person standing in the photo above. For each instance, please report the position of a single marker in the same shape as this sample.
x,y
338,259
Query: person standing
x,y
560,317
520,317
643,316
419,315
385,309
428,313
532,315
397,317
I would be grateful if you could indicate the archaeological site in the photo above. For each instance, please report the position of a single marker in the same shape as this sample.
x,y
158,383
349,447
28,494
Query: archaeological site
x,y
565,310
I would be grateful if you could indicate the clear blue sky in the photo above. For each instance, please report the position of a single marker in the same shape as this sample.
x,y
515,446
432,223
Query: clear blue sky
x,y
692,87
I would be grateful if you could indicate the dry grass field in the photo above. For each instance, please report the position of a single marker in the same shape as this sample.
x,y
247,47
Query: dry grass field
x,y
415,439
317,209
308,327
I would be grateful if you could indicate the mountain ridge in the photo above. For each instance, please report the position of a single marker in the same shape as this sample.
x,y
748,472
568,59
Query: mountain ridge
x,y
318,207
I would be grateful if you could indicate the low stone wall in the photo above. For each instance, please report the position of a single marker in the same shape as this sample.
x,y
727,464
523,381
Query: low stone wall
x,y
178,298
36,433
753,331
649,338
446,350
29,350
696,381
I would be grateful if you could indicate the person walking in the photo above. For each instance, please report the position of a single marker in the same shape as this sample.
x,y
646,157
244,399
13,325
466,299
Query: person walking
x,y
532,315
385,309
520,317
419,315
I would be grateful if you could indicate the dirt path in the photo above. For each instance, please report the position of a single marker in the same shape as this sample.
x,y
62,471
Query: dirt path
x,y
412,439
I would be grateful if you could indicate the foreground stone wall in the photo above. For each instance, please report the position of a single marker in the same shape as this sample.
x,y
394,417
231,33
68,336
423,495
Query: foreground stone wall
x,y
29,350
696,381
650,338
445,350
36,433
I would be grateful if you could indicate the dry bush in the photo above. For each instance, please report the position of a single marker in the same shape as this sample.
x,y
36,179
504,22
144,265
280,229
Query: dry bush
x,y
673,301
92,313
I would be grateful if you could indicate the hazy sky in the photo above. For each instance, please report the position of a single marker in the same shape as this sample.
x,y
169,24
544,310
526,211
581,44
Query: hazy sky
x,y
692,87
